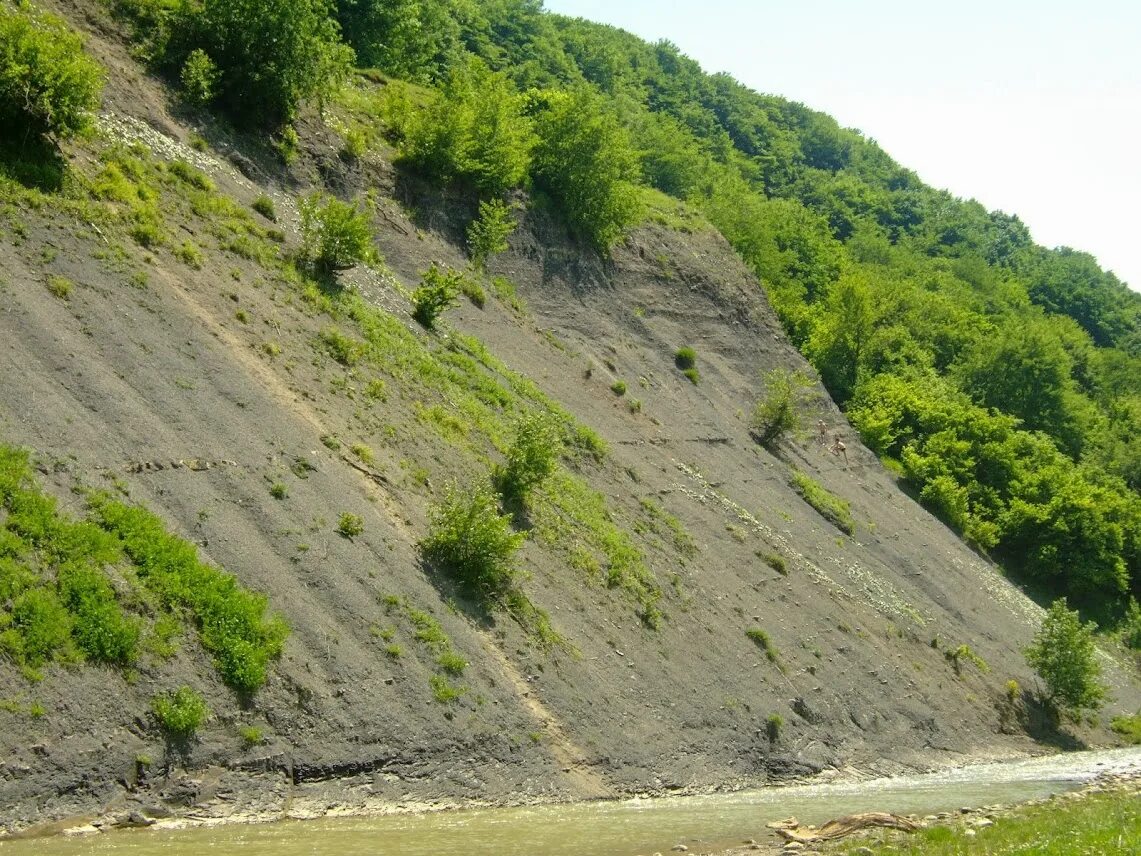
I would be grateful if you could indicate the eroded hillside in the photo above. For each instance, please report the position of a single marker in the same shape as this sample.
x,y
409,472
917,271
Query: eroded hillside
x,y
685,594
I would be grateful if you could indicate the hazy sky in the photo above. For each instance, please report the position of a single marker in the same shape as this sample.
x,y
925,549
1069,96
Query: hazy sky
x,y
1033,108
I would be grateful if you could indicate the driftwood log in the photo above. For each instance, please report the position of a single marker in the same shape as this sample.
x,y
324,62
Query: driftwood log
x,y
791,830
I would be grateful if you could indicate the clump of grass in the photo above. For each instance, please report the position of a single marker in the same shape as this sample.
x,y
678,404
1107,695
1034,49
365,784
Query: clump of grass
x,y
764,642
350,525
685,358
963,654
363,453
777,563
189,254
618,387
444,691
774,724
278,490
832,508
692,375
60,286
251,735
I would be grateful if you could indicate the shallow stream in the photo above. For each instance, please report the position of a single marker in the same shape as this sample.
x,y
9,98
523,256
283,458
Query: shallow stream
x,y
621,828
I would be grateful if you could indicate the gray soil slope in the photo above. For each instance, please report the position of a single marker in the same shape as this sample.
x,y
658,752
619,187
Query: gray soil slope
x,y
163,393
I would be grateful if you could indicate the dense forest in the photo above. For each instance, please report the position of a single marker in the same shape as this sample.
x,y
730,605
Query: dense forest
x,y
999,379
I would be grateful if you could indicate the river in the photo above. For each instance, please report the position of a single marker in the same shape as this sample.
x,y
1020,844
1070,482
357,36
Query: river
x,y
622,828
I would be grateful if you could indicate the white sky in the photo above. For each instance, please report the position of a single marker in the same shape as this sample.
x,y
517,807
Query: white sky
x,y
1033,108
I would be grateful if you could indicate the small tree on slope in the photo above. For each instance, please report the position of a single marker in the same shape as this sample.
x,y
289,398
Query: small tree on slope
x,y
1064,656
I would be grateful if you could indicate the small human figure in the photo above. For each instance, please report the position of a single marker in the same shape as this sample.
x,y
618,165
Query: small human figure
x,y
838,449
822,432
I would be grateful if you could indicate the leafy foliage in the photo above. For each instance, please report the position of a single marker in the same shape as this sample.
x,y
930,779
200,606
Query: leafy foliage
x,y
1064,656
531,458
334,235
437,291
779,412
180,713
232,621
267,55
587,163
472,542
489,232
48,84
474,130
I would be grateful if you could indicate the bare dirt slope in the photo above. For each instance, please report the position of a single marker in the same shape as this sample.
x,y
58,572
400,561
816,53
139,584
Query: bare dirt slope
x,y
192,390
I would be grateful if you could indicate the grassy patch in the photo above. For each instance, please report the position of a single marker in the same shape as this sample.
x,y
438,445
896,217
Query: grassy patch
x,y
829,506
763,641
1097,824
231,620
571,516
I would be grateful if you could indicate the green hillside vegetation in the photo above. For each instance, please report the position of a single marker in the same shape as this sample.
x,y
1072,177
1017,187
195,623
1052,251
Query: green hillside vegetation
x,y
1001,379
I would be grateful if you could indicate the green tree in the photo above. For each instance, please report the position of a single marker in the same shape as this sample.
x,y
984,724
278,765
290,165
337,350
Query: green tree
x,y
270,55
1064,656
586,162
473,130
48,84
437,291
488,233
415,40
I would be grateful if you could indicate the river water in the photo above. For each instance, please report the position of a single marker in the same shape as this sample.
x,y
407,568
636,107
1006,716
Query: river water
x,y
622,828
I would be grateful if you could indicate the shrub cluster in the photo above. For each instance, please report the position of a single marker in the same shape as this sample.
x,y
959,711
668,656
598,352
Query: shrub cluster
x,y
48,85
334,235
832,508
180,713
531,458
471,541
437,291
232,621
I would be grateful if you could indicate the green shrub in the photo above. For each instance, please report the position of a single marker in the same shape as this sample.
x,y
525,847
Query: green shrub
x,y
1128,727
764,642
187,174
692,375
264,206
180,713
334,235
779,412
832,508
199,78
350,525
1064,656
269,55
472,542
48,84
100,627
437,291
532,457
618,387
251,735
40,629
278,490
685,358
774,724
488,233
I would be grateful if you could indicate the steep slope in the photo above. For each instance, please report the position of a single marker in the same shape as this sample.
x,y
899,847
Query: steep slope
x,y
196,384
